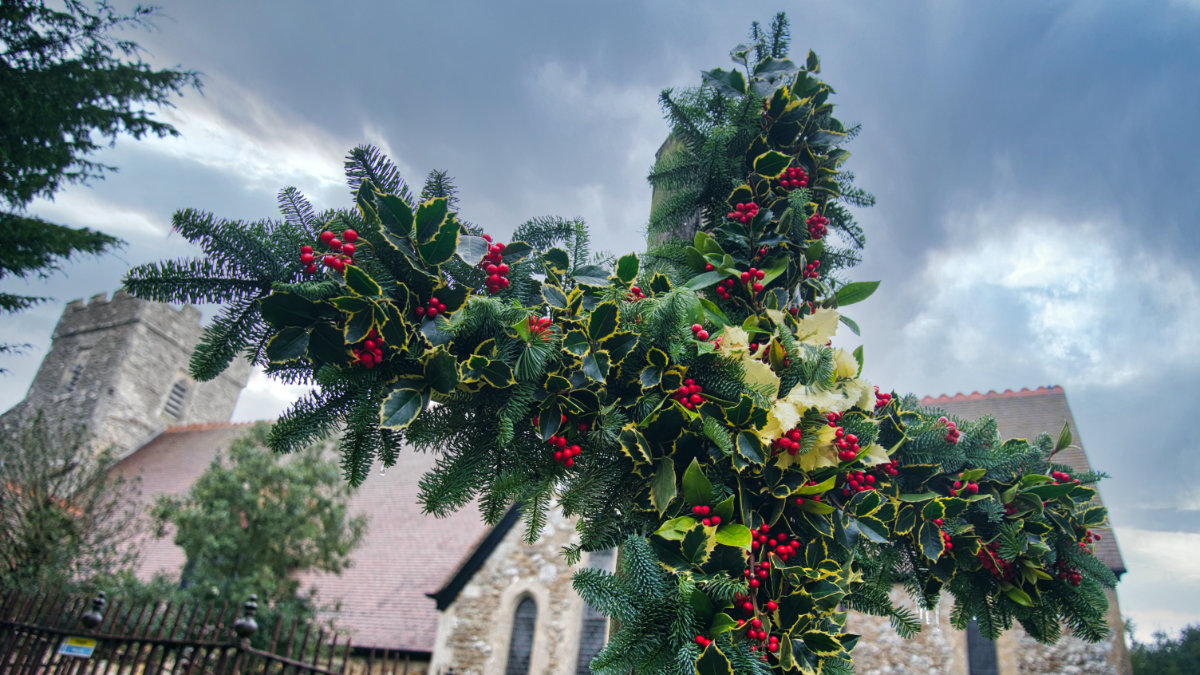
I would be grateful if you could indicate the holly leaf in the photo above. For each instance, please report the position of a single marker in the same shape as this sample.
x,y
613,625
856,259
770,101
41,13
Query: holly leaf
x,y
596,365
441,371
554,296
703,280
734,534
821,643
771,163
603,321
750,448
395,214
662,486
590,275
282,309
289,344
930,538
729,83
697,489
360,282
402,405
430,216
444,243
627,268
471,249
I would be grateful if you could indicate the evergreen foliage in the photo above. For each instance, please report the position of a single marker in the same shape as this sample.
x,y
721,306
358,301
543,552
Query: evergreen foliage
x,y
1167,655
755,482
68,83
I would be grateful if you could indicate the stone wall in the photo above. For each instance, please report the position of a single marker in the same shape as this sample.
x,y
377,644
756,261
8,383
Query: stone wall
x,y
474,631
112,364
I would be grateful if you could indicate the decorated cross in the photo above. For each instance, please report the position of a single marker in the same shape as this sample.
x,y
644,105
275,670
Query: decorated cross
x,y
685,404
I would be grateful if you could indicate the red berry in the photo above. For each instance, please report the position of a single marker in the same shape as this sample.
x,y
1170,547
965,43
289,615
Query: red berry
x,y
772,606
327,236
311,269
348,249
349,236
702,335
432,312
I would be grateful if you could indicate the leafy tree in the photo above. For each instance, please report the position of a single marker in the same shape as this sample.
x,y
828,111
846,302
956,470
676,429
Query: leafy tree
x,y
64,519
67,84
253,520
1166,656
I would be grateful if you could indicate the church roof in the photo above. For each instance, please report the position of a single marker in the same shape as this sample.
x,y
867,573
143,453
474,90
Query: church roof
x,y
405,554
1026,414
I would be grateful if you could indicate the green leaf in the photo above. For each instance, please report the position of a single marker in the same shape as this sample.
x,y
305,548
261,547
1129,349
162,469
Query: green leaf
x,y
813,64
557,261
721,623
651,376
855,292
282,309
596,365
351,304
821,643
441,371
627,268
750,448
362,283
590,275
729,83
634,445
858,356
326,345
430,217
402,405
443,244
471,249
1018,596
395,214
662,486
734,534
774,66
1064,438
289,344
704,280
554,296
697,489
771,164
713,314
576,343
930,538
603,321
850,323
695,546
358,326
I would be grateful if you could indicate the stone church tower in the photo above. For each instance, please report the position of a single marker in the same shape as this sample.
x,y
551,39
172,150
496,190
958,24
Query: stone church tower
x,y
119,367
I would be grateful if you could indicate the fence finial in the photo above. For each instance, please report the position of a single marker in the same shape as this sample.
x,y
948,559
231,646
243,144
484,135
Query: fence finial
x,y
246,625
92,618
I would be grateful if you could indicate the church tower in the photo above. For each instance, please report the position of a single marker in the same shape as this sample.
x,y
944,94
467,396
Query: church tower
x,y
119,367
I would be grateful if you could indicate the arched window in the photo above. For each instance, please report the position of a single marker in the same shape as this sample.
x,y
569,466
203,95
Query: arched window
x,y
174,405
594,629
520,647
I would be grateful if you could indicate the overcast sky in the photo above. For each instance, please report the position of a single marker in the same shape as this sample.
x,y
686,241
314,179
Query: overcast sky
x,y
1035,166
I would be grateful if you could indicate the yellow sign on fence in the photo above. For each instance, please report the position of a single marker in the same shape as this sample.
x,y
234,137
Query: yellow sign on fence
x,y
77,646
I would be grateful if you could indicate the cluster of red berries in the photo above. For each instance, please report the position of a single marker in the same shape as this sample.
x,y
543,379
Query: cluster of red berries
x,y
857,481
342,252
815,498
493,266
562,454
966,488
634,294
699,333
794,177
757,633
773,543
810,270
789,442
706,520
1088,538
540,327
946,543
816,226
989,557
892,468
689,394
743,213
833,418
1073,577
371,351
723,288
762,253
1010,509
847,444
703,641
431,312
1060,477
753,279
952,432
881,399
